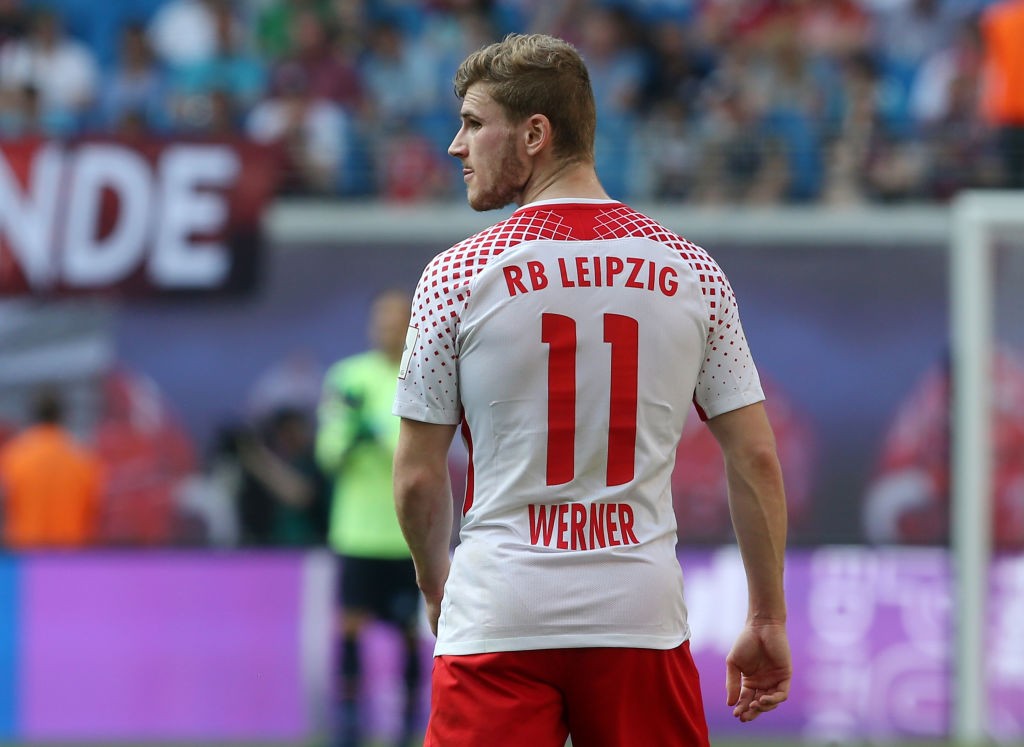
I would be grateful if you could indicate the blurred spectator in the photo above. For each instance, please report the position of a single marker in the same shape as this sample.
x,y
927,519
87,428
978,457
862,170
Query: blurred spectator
x,y
1002,28
668,152
451,30
793,93
226,117
208,502
852,134
147,456
833,29
726,22
945,101
49,483
401,77
909,31
184,32
228,72
870,157
608,44
313,132
281,496
412,161
909,498
13,21
943,72
20,115
677,69
905,36
275,24
411,170
323,54
292,383
866,158
63,72
136,88
352,20
733,166
557,17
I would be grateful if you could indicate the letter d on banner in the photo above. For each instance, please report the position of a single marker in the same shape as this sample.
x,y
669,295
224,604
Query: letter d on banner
x,y
180,259
92,261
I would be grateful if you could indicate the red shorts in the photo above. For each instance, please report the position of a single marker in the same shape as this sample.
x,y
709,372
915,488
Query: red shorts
x,y
603,697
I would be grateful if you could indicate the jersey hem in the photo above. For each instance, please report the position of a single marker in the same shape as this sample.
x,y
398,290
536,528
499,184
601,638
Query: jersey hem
x,y
534,643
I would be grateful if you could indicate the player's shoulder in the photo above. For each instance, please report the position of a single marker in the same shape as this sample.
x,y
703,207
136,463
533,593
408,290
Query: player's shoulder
x,y
624,221
493,240
621,220
457,265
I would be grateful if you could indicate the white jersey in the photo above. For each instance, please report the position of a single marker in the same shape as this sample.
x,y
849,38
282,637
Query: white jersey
x,y
569,341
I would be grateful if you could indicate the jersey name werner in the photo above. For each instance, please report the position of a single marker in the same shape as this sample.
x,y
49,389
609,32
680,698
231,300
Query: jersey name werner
x,y
581,526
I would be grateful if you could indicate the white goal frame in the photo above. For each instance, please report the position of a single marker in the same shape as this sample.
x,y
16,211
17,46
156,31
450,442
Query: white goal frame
x,y
976,218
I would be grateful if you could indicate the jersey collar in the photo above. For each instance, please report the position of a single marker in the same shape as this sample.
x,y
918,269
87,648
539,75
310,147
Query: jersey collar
x,y
567,201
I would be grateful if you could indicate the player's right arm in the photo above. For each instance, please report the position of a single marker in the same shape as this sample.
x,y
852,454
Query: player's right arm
x,y
423,502
758,669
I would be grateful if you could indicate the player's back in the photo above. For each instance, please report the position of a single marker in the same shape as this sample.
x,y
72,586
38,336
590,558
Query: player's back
x,y
579,347
577,366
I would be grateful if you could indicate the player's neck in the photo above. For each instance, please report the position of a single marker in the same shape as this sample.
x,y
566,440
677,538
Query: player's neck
x,y
564,181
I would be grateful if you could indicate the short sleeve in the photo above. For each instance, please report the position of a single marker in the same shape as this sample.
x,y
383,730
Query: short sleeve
x,y
728,378
428,380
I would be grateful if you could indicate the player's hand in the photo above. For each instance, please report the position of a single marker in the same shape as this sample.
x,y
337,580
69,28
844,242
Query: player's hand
x,y
433,613
758,670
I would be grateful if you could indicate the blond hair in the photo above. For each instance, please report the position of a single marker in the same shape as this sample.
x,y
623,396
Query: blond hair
x,y
530,74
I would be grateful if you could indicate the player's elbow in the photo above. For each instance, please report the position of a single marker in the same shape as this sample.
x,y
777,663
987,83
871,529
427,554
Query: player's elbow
x,y
415,482
758,460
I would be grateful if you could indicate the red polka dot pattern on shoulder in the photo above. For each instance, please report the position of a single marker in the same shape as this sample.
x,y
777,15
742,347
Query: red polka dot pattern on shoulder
x,y
728,367
622,221
444,288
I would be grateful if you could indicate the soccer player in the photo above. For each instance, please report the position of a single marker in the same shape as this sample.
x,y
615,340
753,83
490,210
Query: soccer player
x,y
568,341
355,446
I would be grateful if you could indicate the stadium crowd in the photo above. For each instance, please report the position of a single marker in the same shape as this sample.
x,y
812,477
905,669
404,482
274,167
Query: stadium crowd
x,y
727,101
708,101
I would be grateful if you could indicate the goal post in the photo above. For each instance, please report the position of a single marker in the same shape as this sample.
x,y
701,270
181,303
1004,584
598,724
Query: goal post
x,y
976,218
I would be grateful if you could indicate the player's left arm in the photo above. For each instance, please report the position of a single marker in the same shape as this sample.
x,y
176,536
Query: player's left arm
x,y
423,502
759,668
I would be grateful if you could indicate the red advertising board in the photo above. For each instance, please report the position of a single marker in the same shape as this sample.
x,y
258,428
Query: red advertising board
x,y
138,218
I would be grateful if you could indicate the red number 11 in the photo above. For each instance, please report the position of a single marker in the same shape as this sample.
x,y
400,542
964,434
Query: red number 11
x,y
622,333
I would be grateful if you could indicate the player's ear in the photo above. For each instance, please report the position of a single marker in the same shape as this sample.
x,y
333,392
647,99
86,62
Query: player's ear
x,y
537,133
